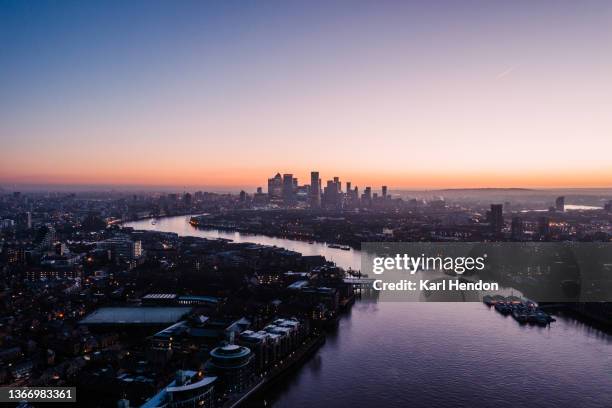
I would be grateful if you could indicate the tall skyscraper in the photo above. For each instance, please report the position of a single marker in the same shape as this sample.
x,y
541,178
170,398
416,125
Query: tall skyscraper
x,y
315,189
384,191
288,196
332,196
497,218
275,187
366,197
338,183
560,204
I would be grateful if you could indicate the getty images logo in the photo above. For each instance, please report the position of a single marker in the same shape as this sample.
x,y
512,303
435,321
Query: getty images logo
x,y
412,264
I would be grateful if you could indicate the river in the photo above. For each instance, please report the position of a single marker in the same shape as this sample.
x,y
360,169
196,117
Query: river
x,y
410,354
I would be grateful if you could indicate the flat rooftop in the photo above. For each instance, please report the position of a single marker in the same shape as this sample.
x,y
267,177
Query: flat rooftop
x,y
136,315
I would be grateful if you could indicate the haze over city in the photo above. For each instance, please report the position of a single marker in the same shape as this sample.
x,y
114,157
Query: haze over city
x,y
430,95
305,204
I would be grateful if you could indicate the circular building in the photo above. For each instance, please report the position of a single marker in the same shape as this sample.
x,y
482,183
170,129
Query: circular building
x,y
232,364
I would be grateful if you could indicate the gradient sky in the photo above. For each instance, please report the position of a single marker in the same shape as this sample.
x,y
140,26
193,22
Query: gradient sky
x,y
409,94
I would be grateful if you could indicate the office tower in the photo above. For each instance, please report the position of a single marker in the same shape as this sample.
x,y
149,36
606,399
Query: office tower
x,y
302,194
348,187
243,196
516,228
338,184
332,197
275,187
560,204
288,196
497,218
259,190
384,192
366,197
315,189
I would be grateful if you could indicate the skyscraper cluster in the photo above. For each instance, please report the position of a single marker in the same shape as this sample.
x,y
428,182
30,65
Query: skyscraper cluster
x,y
285,189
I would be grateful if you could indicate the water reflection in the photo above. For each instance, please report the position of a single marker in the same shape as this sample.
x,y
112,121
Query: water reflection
x,y
435,354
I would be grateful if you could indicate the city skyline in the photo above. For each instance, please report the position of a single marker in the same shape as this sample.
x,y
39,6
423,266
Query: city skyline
x,y
306,204
412,95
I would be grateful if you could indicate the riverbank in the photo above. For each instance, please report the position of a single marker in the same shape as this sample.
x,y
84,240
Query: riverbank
x,y
289,364
156,217
199,223
430,354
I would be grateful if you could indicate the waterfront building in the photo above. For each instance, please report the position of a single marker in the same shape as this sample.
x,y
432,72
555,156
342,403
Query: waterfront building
x,y
289,331
233,365
274,342
188,390
265,347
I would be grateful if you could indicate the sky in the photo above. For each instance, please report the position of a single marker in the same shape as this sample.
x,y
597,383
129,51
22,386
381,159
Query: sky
x,y
431,94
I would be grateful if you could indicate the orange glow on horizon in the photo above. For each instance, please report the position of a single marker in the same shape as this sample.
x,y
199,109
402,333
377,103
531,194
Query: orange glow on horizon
x,y
257,177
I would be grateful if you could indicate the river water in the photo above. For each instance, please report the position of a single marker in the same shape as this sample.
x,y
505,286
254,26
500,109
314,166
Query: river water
x,y
410,354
